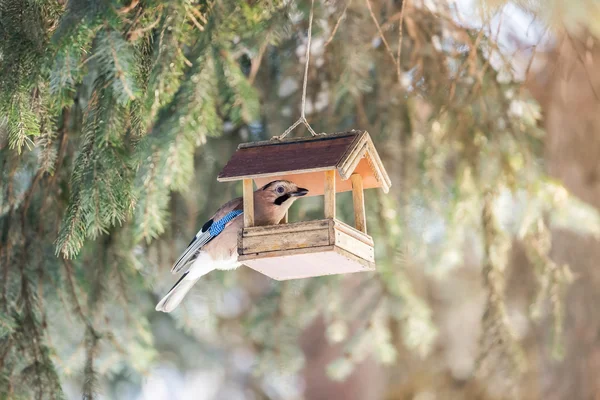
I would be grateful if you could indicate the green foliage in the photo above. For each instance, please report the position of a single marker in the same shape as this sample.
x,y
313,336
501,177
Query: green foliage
x,y
22,122
106,105
116,116
24,34
101,193
212,89
115,60
66,71
7,325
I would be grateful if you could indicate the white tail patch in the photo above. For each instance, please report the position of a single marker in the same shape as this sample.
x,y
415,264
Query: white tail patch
x,y
201,266
175,295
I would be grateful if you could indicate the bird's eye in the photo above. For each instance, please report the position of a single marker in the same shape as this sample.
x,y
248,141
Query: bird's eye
x,y
280,189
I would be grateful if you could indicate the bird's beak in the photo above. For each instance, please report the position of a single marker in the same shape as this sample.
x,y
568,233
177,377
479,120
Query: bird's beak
x,y
299,192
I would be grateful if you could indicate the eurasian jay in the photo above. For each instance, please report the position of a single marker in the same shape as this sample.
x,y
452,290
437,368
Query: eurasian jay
x,y
215,245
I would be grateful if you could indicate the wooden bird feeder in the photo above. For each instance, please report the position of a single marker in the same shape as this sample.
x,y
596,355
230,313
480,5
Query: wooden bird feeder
x,y
324,165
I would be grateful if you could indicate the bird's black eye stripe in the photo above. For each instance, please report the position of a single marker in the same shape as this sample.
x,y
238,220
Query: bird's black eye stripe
x,y
279,201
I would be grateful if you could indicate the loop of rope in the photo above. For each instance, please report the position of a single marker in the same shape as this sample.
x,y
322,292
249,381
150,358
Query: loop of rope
x,y
302,119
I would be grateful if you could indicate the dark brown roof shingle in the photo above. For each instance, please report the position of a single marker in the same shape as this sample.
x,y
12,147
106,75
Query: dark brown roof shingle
x,y
291,155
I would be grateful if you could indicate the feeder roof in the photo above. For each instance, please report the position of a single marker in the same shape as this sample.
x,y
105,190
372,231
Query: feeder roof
x,y
302,160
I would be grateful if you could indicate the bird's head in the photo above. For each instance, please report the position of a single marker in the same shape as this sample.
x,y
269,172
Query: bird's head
x,y
282,193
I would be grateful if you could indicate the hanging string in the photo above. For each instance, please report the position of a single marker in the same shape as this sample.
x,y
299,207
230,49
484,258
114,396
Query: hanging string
x,y
302,119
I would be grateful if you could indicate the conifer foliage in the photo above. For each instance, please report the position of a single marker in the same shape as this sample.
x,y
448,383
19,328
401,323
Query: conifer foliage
x,y
111,110
102,106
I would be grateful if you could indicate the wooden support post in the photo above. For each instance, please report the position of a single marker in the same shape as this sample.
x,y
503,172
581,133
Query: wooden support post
x,y
248,193
329,194
358,198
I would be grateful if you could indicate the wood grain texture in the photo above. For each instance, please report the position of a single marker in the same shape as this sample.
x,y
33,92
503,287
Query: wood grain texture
x,y
272,142
353,241
296,227
313,181
354,246
358,200
353,155
304,249
350,231
303,160
291,236
329,188
288,156
328,261
248,192
280,253
377,166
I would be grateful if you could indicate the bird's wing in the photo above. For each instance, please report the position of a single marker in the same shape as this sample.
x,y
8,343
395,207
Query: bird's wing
x,y
211,229
232,205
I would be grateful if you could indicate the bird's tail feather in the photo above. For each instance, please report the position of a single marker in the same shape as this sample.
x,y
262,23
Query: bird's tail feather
x,y
176,294
183,285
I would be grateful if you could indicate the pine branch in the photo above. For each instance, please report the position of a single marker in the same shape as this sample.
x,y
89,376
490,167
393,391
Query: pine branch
x,y
101,194
90,383
180,127
115,59
45,380
497,339
239,99
22,123
72,292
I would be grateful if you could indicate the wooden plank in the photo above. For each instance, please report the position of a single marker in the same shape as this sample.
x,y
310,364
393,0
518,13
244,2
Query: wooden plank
x,y
364,148
307,226
360,154
295,227
332,222
365,265
354,246
358,199
377,166
284,156
350,231
282,253
348,163
327,261
275,175
289,140
329,189
284,239
240,241
313,251
275,159
306,249
248,192
313,181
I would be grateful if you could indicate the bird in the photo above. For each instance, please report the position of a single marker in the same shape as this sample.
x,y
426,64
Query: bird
x,y
215,244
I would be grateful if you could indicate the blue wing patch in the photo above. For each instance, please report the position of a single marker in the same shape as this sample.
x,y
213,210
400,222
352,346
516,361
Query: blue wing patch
x,y
217,227
209,231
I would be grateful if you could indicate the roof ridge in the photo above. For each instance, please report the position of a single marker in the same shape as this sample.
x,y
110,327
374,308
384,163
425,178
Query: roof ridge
x,y
271,142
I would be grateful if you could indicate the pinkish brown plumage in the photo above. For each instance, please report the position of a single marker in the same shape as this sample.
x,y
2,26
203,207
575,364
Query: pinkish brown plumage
x,y
215,246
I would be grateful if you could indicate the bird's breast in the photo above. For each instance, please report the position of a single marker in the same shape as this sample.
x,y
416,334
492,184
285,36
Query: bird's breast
x,y
227,264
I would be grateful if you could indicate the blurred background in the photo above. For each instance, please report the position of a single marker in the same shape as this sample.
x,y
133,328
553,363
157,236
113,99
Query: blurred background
x,y
117,115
